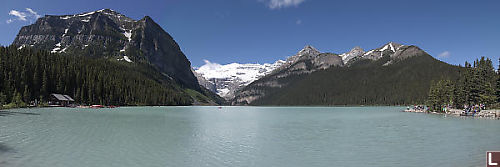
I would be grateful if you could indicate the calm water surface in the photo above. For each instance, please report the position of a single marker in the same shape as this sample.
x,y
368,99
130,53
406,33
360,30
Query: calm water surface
x,y
242,136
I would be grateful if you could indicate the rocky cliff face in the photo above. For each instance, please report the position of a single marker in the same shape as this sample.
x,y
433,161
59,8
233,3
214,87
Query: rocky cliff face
x,y
204,82
355,52
308,60
106,33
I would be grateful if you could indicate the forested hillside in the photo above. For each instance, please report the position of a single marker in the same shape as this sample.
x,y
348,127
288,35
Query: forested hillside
x,y
366,82
479,84
28,74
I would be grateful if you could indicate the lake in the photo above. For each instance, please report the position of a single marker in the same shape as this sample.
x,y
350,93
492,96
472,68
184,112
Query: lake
x,y
242,136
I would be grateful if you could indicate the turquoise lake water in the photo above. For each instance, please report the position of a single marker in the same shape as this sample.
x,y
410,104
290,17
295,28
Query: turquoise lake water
x,y
242,136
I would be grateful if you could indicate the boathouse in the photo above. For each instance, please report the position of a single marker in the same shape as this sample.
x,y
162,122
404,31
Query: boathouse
x,y
61,100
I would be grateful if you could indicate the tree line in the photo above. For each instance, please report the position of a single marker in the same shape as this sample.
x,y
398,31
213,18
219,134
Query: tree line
x,y
365,82
478,84
27,75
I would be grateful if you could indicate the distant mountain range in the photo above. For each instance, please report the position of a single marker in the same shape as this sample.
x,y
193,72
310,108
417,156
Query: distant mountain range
x,y
390,75
112,36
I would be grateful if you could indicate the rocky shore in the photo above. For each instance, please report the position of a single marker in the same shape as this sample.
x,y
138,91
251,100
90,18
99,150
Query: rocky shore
x,y
492,113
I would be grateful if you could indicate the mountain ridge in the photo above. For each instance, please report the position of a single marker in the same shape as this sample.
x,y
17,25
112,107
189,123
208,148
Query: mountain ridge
x,y
307,60
107,33
309,65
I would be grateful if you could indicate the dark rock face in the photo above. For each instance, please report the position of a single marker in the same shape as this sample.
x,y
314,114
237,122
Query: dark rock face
x,y
160,49
204,82
308,60
106,33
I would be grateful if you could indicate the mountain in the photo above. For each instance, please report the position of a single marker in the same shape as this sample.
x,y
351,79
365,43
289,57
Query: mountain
x,y
107,33
27,75
308,60
226,79
355,52
209,85
393,74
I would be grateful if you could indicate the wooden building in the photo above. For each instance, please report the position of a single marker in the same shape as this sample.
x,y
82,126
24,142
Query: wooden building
x,y
61,100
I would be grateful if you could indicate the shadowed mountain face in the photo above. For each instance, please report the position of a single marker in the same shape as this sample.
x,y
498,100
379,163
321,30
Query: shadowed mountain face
x,y
393,74
106,33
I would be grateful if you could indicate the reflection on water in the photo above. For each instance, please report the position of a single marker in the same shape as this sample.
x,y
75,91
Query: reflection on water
x,y
242,136
4,148
7,113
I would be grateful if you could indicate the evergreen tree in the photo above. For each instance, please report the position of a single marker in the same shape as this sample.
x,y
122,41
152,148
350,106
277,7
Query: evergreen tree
x,y
440,95
485,76
26,74
45,86
432,100
26,94
475,86
3,99
498,82
17,100
479,84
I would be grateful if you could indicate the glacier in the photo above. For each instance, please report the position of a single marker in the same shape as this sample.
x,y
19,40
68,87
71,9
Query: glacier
x,y
229,78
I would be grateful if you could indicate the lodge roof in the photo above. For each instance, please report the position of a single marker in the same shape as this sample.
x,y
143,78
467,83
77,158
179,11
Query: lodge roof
x,y
61,97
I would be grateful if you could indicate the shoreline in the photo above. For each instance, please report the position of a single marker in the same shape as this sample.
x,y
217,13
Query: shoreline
x,y
490,113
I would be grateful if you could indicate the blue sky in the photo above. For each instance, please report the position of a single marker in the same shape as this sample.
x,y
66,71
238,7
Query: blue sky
x,y
263,31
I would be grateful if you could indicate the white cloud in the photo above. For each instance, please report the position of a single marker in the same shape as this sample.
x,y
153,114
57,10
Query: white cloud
x,y
277,4
18,14
445,54
33,13
29,15
209,65
298,22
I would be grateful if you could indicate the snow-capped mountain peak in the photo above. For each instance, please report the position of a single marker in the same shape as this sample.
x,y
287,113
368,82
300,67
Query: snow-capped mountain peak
x,y
355,52
392,46
86,16
230,77
308,50
375,54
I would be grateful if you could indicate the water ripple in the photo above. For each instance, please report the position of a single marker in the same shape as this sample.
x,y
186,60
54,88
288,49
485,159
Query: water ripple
x,y
241,136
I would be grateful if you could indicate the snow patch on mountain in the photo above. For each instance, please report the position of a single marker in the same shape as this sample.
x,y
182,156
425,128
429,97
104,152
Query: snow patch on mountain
x,y
230,77
57,48
21,47
384,48
85,17
369,52
355,52
126,58
128,34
